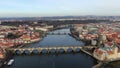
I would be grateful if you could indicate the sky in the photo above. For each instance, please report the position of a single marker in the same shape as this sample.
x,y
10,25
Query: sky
x,y
39,8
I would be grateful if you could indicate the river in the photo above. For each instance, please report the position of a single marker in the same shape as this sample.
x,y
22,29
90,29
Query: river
x,y
77,60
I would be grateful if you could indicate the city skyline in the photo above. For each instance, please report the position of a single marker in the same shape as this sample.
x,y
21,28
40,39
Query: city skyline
x,y
39,8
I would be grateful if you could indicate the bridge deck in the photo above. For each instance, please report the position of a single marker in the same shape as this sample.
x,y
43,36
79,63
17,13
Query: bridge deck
x,y
55,47
41,48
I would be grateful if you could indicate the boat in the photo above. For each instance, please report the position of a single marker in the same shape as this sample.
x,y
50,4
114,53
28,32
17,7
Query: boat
x,y
10,62
5,62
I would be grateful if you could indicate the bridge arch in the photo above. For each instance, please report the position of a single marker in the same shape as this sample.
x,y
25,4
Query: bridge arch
x,y
18,52
77,50
44,51
26,52
35,51
69,50
61,50
52,50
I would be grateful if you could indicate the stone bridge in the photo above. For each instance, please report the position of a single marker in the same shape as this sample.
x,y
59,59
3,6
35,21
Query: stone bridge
x,y
56,49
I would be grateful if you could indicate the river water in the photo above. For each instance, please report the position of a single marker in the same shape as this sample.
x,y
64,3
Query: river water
x,y
77,60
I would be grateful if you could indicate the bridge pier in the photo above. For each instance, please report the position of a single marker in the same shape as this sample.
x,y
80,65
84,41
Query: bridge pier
x,y
56,50
74,49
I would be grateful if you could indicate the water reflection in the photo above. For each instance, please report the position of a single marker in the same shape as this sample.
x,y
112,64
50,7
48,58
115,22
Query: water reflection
x,y
53,61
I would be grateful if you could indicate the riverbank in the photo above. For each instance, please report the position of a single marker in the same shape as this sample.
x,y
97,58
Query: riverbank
x,y
4,61
100,64
87,42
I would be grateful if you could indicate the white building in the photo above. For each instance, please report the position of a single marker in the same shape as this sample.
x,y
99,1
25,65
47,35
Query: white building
x,y
40,28
107,53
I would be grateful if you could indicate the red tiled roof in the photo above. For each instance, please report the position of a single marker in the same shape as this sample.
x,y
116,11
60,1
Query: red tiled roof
x,y
109,43
109,52
117,40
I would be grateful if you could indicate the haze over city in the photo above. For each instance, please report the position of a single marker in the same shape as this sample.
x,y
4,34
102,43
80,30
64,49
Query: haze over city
x,y
38,8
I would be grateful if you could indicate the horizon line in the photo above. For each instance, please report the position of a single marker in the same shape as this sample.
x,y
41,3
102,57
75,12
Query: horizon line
x,y
56,16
